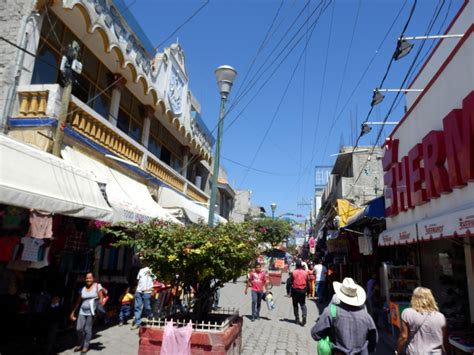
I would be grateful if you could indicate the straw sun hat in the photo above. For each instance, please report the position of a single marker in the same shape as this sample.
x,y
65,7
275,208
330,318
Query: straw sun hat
x,y
349,292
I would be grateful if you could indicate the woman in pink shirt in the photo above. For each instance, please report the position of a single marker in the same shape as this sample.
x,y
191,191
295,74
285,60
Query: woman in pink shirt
x,y
256,280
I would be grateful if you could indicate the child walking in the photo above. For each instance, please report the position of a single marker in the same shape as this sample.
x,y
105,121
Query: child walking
x,y
125,305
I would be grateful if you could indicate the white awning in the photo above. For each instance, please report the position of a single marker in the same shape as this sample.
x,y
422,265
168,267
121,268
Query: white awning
x,y
402,235
31,178
130,200
196,213
455,223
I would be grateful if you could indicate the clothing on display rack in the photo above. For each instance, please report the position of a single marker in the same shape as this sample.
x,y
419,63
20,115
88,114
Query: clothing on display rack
x,y
31,249
41,225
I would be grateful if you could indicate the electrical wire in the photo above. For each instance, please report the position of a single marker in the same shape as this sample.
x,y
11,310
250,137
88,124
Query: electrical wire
x,y
259,72
430,26
312,28
260,48
344,71
258,170
194,14
270,76
364,73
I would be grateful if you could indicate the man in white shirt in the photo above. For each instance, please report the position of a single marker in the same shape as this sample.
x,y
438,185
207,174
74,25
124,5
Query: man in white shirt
x,y
321,271
143,295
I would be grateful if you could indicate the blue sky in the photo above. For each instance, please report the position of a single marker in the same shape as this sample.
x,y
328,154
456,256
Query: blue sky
x,y
231,31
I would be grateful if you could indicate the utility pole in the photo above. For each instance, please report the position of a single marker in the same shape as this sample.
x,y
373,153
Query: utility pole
x,y
69,65
306,204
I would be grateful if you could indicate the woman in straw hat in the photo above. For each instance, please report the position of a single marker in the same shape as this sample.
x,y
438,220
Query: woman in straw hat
x,y
423,328
348,325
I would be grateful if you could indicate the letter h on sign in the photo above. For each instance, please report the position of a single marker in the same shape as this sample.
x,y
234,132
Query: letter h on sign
x,y
434,156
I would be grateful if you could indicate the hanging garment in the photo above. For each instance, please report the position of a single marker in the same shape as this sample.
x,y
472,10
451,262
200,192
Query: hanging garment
x,y
43,262
31,249
177,340
41,225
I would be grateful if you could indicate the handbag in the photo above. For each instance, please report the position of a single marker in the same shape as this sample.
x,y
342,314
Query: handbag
x,y
99,308
325,345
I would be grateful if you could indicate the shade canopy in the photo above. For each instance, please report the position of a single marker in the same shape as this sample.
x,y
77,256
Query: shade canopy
x,y
130,200
31,178
195,213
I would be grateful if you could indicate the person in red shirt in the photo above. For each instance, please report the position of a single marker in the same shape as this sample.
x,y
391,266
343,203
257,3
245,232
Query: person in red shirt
x,y
256,280
298,291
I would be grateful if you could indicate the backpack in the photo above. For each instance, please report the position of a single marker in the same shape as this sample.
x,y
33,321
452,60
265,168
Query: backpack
x,y
324,345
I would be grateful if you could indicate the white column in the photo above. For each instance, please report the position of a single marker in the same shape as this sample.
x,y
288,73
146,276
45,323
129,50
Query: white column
x,y
148,114
146,131
469,258
184,170
115,100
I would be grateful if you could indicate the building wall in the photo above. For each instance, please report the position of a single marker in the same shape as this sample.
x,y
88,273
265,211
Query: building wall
x,y
241,205
13,15
370,183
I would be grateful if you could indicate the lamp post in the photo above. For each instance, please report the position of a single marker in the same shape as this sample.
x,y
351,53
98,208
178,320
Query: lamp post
x,y
273,207
225,76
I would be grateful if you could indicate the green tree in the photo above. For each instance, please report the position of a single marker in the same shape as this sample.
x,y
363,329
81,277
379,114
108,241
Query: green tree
x,y
272,231
193,255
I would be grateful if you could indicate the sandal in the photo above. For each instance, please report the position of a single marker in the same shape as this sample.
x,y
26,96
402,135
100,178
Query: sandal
x,y
85,350
77,349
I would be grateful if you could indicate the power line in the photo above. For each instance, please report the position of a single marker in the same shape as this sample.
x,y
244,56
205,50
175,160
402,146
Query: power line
x,y
194,14
258,170
364,73
312,28
253,81
430,26
345,66
260,48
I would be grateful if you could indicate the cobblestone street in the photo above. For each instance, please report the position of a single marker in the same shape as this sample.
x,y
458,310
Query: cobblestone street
x,y
274,333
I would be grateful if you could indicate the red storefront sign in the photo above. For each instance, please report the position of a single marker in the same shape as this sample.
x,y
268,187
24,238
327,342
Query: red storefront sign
x,y
442,161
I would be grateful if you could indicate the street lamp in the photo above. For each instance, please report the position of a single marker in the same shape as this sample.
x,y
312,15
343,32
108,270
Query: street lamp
x,y
225,76
404,47
365,127
273,207
377,96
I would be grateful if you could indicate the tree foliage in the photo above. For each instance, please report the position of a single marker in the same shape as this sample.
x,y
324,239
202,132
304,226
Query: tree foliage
x,y
272,231
194,255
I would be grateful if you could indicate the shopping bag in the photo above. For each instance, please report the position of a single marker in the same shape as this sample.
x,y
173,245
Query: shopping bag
x,y
325,345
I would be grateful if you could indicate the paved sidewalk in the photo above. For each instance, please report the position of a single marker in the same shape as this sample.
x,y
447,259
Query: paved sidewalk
x,y
275,333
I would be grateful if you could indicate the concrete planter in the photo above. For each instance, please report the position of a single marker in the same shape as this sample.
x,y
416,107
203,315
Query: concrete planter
x,y
275,277
218,340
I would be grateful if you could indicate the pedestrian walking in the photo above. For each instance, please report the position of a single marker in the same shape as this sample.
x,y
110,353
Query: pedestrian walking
x,y
345,322
423,327
298,292
312,281
256,280
125,304
89,297
321,273
143,295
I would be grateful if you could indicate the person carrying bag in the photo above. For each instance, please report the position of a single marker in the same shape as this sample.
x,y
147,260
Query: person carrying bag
x,y
90,302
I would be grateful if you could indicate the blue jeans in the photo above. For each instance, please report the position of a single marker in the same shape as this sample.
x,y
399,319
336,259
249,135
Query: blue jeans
x,y
124,312
320,290
256,303
142,300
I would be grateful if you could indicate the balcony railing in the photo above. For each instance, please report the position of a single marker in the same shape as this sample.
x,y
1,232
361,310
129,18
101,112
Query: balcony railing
x,y
43,101
196,194
157,169
92,128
